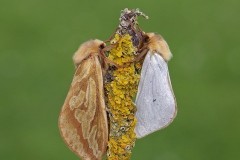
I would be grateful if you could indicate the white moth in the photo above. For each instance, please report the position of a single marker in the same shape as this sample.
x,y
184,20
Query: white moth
x,y
155,101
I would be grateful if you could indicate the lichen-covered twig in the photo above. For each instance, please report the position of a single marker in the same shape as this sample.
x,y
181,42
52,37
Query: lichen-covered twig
x,y
121,86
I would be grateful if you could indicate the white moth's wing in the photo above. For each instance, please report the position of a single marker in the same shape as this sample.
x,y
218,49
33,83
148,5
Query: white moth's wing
x,y
155,101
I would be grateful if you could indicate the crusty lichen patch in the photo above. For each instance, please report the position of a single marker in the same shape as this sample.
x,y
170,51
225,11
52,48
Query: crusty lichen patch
x,y
120,92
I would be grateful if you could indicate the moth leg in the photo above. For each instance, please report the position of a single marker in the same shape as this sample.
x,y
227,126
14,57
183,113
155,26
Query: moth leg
x,y
111,37
142,38
137,26
107,61
138,58
141,55
140,50
108,48
139,32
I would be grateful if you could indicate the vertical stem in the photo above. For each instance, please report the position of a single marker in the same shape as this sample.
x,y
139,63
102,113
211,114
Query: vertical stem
x,y
121,86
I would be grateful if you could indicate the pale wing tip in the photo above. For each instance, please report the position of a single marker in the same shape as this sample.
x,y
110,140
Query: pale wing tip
x,y
142,134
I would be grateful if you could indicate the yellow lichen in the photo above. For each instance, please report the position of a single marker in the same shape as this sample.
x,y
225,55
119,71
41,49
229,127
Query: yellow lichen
x,y
120,94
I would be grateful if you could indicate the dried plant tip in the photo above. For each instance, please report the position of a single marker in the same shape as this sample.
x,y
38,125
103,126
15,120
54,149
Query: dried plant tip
x,y
128,19
128,25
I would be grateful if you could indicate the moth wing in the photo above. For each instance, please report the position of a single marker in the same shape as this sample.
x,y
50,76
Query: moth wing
x,y
83,121
155,101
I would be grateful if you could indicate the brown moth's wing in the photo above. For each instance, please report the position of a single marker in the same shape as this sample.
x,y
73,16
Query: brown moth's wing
x,y
83,119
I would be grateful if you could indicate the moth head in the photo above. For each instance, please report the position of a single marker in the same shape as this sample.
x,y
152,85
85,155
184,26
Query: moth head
x,y
99,44
96,45
102,45
86,49
156,43
146,38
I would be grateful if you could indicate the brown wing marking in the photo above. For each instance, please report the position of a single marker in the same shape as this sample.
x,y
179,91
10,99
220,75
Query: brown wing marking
x,y
83,120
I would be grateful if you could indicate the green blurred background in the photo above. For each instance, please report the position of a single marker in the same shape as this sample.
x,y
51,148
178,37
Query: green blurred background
x,y
39,37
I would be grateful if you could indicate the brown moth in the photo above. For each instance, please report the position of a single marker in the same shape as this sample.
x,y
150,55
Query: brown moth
x,y
83,120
